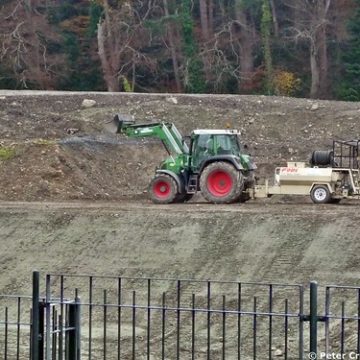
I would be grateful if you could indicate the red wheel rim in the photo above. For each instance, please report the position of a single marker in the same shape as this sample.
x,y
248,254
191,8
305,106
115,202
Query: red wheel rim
x,y
219,183
161,189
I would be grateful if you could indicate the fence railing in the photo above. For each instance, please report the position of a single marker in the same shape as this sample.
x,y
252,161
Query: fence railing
x,y
72,317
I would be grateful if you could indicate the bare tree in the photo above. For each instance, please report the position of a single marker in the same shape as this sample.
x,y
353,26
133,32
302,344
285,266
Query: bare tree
x,y
311,25
23,44
120,38
172,45
247,41
204,19
274,18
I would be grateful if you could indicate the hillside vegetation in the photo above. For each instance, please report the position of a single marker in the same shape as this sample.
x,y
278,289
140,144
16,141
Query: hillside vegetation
x,y
298,48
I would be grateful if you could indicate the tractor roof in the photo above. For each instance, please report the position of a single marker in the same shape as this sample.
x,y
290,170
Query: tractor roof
x,y
216,132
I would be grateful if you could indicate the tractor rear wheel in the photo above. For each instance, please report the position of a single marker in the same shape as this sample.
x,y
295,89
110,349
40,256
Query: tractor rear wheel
x,y
163,189
221,183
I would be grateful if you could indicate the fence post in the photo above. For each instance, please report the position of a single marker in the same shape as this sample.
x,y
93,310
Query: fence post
x,y
75,335
35,312
313,317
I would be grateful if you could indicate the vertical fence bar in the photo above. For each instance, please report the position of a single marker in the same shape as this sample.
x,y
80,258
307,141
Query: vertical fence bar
x,y
342,340
254,328
239,322
6,334
208,320
41,330
61,317
148,319
18,328
327,319
301,322
54,336
119,318
163,319
224,327
74,334
358,323
66,332
193,327
270,320
35,316
178,302
134,325
90,315
48,315
78,326
104,323
313,317
60,329
286,328
30,336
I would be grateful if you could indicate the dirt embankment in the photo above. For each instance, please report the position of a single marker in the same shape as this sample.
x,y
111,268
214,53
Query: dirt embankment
x,y
100,222
275,243
56,149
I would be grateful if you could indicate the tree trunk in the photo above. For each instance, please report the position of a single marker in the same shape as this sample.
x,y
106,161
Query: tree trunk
x,y
324,6
204,19
323,62
211,17
173,50
315,71
35,60
274,18
318,50
246,39
110,77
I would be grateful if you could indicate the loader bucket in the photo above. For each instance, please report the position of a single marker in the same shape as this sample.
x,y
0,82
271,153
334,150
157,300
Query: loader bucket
x,y
118,122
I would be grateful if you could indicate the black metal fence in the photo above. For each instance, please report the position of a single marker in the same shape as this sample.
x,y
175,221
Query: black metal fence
x,y
15,325
73,317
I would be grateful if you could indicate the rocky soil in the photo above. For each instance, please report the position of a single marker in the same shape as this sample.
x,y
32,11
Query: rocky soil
x,y
73,200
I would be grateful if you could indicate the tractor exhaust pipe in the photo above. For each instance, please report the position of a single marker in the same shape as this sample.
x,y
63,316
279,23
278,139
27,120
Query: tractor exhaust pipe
x,y
119,121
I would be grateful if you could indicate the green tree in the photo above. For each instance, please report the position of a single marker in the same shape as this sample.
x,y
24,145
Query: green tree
x,y
266,25
194,72
76,23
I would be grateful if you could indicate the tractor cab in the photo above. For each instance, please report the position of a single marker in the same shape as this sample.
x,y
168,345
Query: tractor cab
x,y
215,144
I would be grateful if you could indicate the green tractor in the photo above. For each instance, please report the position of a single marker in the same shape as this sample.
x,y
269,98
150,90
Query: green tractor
x,y
213,163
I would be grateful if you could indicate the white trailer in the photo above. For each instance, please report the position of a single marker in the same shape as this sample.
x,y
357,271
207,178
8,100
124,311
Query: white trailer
x,y
332,176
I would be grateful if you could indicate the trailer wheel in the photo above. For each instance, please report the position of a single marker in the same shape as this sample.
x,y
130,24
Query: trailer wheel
x,y
221,183
163,189
320,194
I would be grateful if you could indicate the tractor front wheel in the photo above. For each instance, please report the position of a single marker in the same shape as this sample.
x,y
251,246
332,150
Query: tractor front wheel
x,y
163,189
221,183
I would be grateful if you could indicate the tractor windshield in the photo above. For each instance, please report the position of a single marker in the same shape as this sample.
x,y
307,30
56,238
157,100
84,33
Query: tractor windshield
x,y
208,145
226,144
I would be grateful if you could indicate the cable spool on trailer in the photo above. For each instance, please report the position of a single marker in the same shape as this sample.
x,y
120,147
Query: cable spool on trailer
x,y
322,158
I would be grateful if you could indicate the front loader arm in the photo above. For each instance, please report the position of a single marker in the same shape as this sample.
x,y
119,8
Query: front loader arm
x,y
166,132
